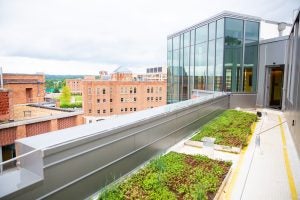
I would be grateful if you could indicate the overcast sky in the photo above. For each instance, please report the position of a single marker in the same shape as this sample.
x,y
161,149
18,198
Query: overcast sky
x,y
83,37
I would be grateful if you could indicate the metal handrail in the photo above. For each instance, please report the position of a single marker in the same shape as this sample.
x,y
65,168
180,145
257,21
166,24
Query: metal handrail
x,y
16,159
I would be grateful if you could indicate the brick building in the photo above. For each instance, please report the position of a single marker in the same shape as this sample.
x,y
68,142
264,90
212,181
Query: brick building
x,y
33,120
121,95
25,88
75,85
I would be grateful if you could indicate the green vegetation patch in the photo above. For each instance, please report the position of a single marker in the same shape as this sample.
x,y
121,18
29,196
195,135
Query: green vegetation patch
x,y
172,176
231,128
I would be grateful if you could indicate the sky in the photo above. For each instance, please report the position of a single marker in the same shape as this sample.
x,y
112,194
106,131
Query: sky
x,y
85,36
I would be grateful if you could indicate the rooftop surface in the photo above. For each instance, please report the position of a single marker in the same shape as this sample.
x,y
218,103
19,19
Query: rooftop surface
x,y
23,112
266,171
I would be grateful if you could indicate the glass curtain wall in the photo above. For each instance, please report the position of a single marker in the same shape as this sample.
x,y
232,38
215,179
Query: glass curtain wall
x,y
221,56
250,56
201,57
233,53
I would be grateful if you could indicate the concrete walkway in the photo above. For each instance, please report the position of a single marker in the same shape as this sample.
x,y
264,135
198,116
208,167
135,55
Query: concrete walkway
x,y
270,170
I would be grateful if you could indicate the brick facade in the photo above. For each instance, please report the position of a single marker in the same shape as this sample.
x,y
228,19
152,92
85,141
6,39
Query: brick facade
x,y
66,122
37,128
5,105
105,98
75,85
26,88
7,136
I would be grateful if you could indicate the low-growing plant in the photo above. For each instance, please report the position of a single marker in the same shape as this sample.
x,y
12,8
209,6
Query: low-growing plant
x,y
231,128
172,176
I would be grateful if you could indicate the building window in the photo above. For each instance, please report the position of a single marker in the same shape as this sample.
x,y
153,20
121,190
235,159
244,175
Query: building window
x,y
98,91
134,99
160,98
134,90
110,100
121,109
130,90
103,91
125,109
151,98
156,99
90,111
104,100
122,99
89,90
148,90
130,109
104,111
98,100
122,90
134,109
148,98
160,89
111,110
98,111
151,89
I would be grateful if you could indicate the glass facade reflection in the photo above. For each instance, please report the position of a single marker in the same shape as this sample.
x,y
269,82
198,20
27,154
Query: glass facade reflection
x,y
220,55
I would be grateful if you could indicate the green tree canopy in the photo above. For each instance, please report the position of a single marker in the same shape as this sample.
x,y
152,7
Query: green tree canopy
x,y
65,97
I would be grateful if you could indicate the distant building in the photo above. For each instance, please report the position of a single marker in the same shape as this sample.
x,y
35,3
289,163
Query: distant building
x,y
22,113
75,85
121,95
25,88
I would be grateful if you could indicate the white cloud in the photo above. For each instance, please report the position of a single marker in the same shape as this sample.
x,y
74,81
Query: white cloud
x,y
108,33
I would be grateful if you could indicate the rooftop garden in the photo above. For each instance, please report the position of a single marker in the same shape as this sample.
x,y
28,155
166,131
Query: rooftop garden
x,y
172,176
231,128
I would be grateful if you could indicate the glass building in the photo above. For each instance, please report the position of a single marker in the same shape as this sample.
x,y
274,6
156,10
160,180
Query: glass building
x,y
218,54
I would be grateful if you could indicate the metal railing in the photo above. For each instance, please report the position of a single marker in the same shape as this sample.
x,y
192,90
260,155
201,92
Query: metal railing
x,y
15,162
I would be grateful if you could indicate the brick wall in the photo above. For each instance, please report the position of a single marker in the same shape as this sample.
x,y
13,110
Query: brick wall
x,y
7,136
18,83
37,128
66,122
4,106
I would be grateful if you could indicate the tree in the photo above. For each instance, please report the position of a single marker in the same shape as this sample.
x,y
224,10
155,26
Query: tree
x,y
65,97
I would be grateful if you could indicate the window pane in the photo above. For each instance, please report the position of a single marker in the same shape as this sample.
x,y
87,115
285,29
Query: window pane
x,y
211,65
212,31
234,28
175,84
201,34
250,61
233,52
200,66
251,30
186,72
169,44
233,32
192,37
186,39
248,79
176,42
219,65
192,69
220,28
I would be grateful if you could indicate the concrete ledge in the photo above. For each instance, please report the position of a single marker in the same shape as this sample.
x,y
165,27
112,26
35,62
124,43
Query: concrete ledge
x,y
221,188
217,147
